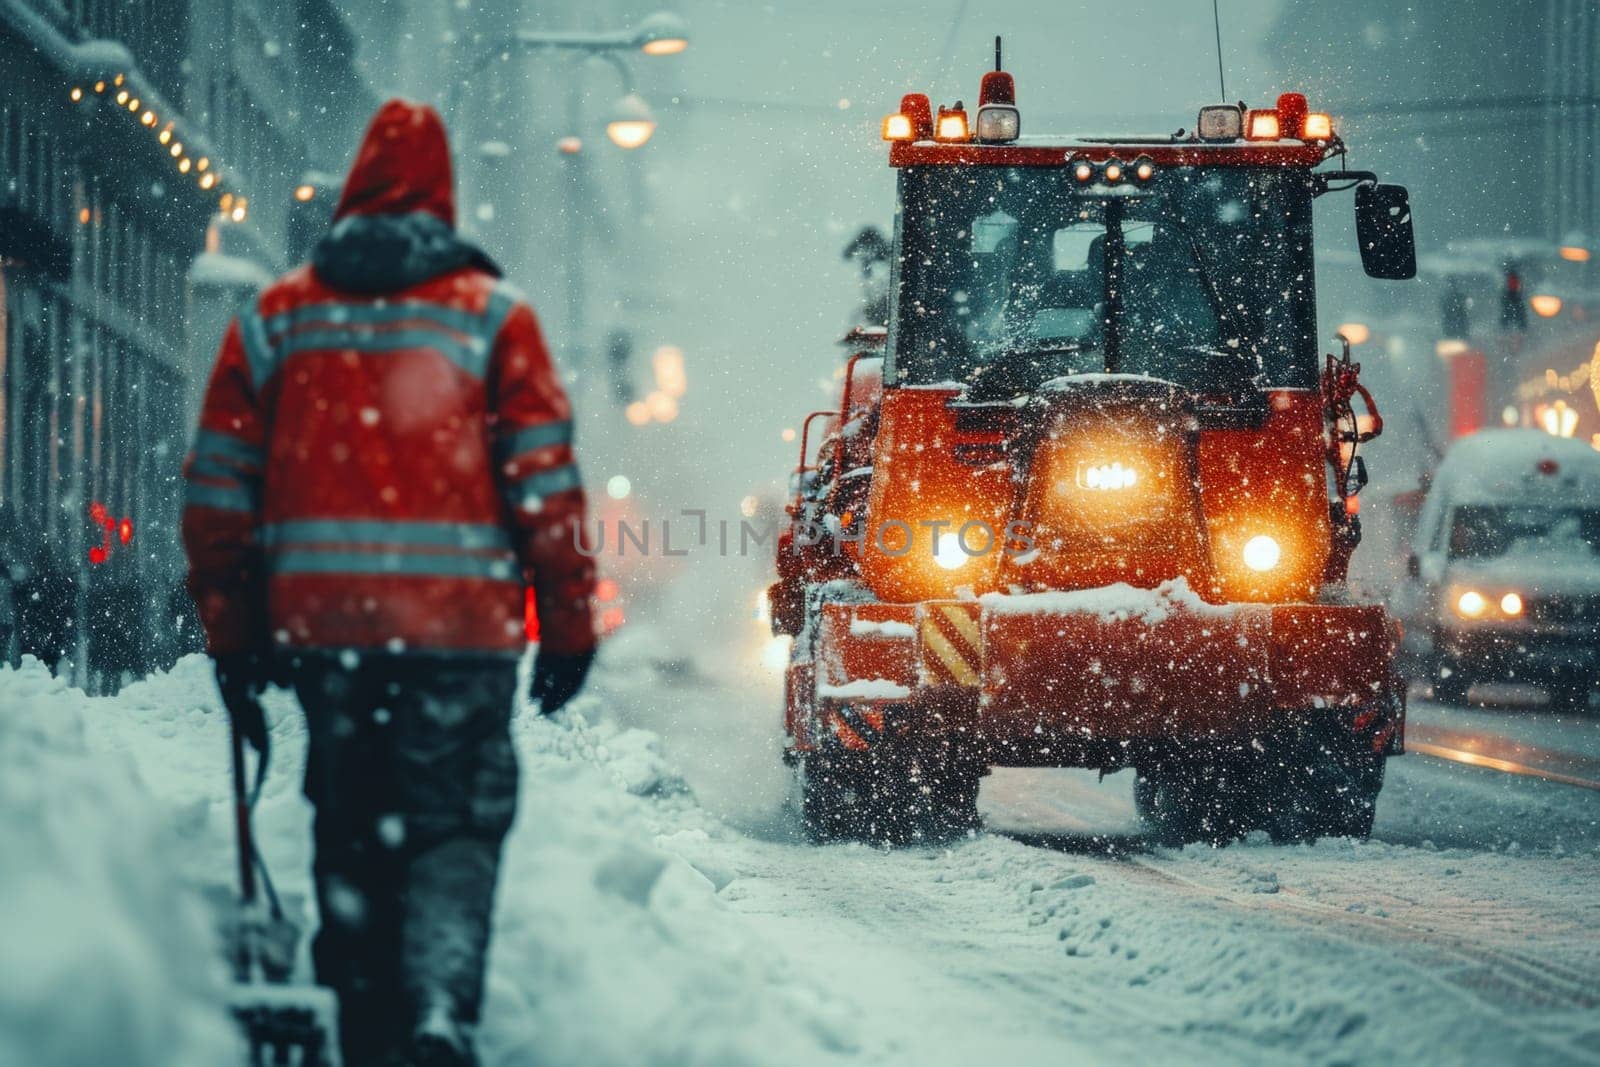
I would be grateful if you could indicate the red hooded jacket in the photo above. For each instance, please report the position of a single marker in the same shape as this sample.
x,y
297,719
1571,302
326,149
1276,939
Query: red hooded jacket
x,y
384,456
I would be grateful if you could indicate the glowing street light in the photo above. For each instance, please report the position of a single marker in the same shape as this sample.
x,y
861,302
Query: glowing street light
x,y
1356,333
631,123
662,407
662,34
668,366
1545,305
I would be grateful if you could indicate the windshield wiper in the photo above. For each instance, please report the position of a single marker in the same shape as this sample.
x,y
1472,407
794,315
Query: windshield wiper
x,y
1218,305
1016,371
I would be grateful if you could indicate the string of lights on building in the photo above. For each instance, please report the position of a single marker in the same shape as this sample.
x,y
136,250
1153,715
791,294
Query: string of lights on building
x,y
207,175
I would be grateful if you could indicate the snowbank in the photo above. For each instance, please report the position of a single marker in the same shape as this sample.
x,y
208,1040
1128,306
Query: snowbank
x,y
107,957
613,943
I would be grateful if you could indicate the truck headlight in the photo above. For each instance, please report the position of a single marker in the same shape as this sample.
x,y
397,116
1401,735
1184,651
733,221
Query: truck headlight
x,y
1262,553
1511,604
949,554
1107,476
1471,604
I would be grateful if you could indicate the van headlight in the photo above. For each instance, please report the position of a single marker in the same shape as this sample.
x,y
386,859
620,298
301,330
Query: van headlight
x,y
1470,604
1473,604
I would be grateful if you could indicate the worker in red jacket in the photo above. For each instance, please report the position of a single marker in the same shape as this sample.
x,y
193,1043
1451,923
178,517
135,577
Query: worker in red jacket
x,y
384,459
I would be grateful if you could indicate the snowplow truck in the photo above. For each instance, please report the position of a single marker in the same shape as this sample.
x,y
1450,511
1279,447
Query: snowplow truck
x,y
1089,500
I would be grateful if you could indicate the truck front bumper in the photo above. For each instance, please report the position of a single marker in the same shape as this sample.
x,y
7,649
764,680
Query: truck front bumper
x,y
1095,678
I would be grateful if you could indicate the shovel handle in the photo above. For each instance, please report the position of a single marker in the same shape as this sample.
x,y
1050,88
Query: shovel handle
x,y
241,822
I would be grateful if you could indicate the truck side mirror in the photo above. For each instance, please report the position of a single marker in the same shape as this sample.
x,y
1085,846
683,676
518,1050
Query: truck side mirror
x,y
1383,231
1413,566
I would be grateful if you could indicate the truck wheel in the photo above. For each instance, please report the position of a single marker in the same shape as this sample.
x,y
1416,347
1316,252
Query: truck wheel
x,y
1214,801
1357,806
1166,804
833,797
889,796
1325,784
940,795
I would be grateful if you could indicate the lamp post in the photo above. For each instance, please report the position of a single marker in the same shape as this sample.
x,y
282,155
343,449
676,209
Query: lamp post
x,y
629,125
660,34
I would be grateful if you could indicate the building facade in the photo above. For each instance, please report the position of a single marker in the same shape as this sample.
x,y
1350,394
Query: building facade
x,y
139,140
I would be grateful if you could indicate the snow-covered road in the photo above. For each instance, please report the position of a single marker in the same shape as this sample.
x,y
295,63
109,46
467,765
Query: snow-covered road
x,y
1468,929
657,907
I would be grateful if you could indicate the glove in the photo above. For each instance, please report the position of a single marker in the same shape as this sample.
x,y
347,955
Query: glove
x,y
557,678
241,676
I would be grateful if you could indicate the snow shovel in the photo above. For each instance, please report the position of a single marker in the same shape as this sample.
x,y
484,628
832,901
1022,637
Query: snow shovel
x,y
287,1024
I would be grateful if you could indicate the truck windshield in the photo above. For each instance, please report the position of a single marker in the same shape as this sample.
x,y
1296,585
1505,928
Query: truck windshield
x,y
1203,279
1488,531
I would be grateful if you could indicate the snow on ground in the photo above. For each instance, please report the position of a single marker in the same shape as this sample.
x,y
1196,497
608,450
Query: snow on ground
x,y
611,947
1433,803
640,922
104,957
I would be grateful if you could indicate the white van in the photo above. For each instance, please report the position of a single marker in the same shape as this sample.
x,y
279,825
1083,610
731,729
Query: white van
x,y
1503,580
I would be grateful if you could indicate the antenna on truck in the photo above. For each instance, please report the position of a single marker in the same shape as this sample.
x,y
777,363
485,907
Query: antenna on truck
x,y
997,65
1216,18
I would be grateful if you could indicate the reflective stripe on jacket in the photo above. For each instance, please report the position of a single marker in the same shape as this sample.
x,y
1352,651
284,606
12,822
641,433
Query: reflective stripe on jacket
x,y
386,470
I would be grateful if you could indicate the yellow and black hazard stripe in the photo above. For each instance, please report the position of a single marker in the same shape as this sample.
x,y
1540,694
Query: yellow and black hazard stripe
x,y
952,647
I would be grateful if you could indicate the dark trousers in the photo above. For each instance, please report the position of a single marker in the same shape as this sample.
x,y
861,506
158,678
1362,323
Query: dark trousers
x,y
414,780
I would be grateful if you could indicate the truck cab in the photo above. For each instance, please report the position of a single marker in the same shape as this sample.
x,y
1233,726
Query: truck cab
x,y
1097,508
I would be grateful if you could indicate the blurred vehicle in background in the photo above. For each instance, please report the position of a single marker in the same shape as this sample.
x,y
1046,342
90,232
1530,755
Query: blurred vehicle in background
x,y
1503,580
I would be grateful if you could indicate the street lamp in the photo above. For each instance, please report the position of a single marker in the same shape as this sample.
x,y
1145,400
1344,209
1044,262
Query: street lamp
x,y
631,124
1545,305
662,34
1356,333
1574,248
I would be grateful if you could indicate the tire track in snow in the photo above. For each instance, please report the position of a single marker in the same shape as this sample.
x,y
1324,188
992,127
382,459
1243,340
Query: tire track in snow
x,y
1491,971
1493,975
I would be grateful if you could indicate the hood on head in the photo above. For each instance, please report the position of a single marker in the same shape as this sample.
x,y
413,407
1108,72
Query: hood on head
x,y
395,223
402,167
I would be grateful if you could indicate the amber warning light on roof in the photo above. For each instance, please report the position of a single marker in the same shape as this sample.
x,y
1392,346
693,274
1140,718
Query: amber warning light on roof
x,y
913,122
999,121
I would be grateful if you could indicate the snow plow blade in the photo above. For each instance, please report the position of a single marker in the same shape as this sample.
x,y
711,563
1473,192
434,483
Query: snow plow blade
x,y
1083,679
1176,669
